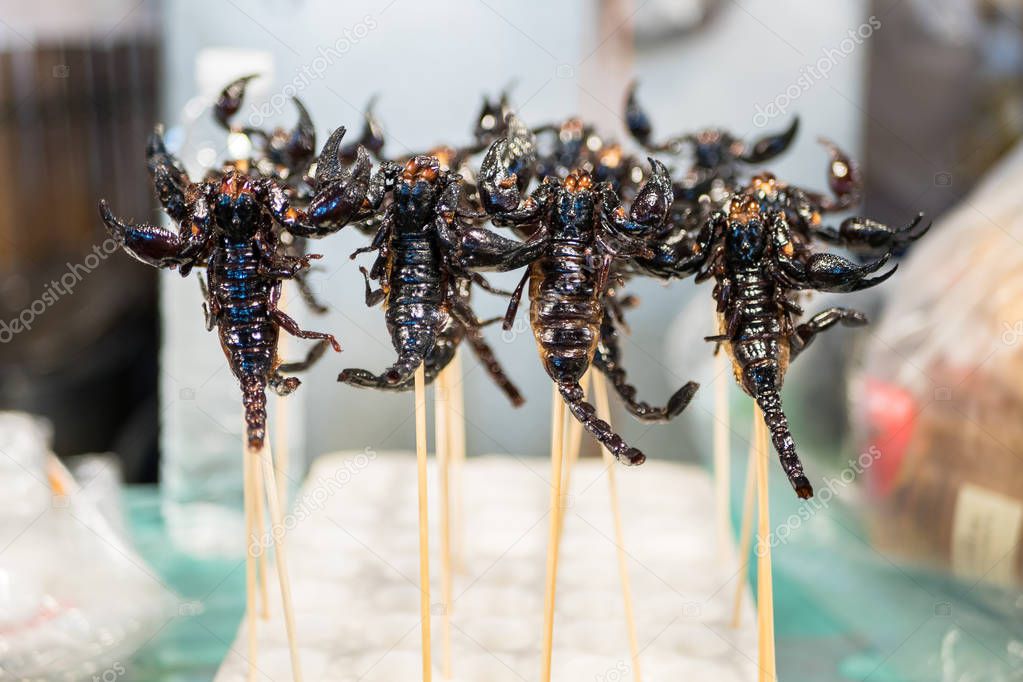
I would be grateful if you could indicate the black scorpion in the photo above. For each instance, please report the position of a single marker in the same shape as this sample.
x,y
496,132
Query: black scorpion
x,y
225,224
577,231
426,295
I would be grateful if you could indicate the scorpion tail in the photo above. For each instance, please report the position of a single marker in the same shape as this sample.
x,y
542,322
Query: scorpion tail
x,y
398,377
761,380
642,410
403,369
572,392
254,399
486,355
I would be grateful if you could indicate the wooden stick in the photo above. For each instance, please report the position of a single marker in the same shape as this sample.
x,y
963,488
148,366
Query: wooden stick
x,y
424,529
557,456
746,533
573,438
282,433
277,525
765,583
259,527
722,455
456,429
604,412
442,439
250,558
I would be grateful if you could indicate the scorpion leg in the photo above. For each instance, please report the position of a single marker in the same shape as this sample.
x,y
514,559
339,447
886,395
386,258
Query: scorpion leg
x,y
804,334
484,353
283,385
607,359
289,325
307,294
210,306
373,296
513,303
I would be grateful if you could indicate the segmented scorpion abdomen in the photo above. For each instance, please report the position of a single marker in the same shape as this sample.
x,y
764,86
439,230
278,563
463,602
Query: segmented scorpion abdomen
x,y
760,352
564,310
566,313
247,332
415,295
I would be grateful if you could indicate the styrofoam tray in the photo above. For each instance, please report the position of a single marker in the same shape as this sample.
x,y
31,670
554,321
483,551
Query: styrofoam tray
x,y
353,556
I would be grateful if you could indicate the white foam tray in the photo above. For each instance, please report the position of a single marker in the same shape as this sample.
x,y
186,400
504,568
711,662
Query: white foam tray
x,y
353,558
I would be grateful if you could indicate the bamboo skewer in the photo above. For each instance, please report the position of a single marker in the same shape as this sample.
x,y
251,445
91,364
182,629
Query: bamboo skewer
x,y
282,425
443,419
424,530
746,532
573,438
604,412
765,585
722,451
456,395
256,538
277,522
250,559
557,455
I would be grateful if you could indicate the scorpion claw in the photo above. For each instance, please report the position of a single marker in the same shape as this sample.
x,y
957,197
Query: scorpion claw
x,y
300,145
115,227
230,100
636,119
505,171
844,178
766,148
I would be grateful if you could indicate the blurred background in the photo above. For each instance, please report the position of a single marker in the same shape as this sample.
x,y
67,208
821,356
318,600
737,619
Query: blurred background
x,y
926,95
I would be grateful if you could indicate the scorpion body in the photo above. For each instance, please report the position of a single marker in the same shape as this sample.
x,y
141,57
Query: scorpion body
x,y
577,231
426,297
226,224
426,302
758,263
244,300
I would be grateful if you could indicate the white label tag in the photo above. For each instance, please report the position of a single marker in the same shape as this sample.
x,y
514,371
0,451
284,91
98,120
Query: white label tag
x,y
985,534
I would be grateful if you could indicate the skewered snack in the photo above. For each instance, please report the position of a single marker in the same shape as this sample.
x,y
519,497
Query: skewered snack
x,y
226,225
